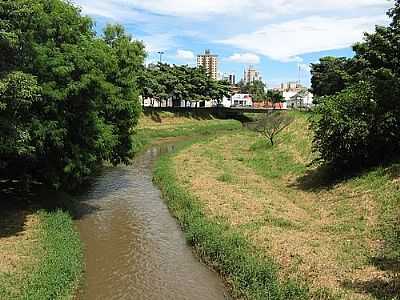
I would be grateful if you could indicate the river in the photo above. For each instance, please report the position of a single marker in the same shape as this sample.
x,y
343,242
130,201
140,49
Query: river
x,y
134,248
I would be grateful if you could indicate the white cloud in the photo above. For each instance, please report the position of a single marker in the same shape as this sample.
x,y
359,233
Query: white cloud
x,y
158,42
207,8
184,55
196,8
109,9
245,58
286,41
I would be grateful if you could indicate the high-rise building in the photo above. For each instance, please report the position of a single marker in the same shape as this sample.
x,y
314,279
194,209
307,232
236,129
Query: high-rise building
x,y
251,75
209,62
231,78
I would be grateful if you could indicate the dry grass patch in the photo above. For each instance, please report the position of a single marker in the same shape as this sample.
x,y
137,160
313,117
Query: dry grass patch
x,y
18,232
324,237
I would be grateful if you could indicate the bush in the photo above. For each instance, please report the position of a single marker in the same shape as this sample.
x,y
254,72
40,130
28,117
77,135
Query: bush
x,y
343,127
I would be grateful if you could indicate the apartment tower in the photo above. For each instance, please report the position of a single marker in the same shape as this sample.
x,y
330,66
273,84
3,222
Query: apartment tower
x,y
209,62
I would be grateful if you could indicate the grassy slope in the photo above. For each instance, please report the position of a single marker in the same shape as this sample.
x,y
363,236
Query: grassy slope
x,y
168,125
248,272
328,234
49,262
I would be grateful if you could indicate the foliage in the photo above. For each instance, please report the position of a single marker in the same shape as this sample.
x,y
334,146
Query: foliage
x,y
68,99
329,76
181,83
272,124
256,89
275,96
363,126
345,125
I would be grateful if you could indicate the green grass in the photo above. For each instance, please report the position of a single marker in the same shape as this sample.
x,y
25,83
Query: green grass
x,y
145,136
55,265
359,235
249,273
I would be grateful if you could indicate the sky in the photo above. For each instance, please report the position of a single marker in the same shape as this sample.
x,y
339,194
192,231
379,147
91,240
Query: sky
x,y
279,37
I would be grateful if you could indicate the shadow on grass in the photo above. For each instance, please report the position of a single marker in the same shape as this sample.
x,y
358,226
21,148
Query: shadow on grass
x,y
16,204
158,116
377,287
326,177
321,178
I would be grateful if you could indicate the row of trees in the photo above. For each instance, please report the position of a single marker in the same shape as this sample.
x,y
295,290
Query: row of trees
x,y
359,100
163,82
68,99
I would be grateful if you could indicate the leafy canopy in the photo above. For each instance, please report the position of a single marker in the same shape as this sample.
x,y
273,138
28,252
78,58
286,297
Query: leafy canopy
x,y
358,121
68,99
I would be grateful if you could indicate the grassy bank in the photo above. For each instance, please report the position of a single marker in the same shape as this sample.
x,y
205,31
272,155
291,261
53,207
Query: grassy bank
x,y
247,271
237,195
41,256
164,125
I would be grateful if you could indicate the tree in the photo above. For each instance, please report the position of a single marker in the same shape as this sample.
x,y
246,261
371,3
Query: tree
x,y
275,96
343,127
257,90
219,89
271,124
75,95
329,76
360,125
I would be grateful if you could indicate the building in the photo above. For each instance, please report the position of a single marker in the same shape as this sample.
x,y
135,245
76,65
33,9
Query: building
x,y
291,86
251,75
242,100
231,78
302,99
209,62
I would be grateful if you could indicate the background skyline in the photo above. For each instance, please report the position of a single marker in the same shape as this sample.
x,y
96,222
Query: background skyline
x,y
277,37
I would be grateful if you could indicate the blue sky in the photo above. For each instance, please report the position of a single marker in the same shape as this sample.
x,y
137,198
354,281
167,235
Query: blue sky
x,y
278,37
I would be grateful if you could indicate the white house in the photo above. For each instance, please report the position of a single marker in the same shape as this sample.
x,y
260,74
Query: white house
x,y
242,100
303,99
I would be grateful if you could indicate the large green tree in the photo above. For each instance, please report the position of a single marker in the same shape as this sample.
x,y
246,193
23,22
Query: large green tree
x,y
256,89
73,97
360,124
329,76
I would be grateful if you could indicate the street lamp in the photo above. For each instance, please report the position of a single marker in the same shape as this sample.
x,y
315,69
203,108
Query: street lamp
x,y
161,54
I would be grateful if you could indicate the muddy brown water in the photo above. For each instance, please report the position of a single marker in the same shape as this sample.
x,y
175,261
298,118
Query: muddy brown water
x,y
134,248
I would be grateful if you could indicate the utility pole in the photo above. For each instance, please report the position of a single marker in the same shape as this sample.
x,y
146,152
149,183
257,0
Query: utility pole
x,y
161,54
299,74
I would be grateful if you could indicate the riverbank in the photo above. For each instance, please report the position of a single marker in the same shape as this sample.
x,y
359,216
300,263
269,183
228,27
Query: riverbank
x,y
165,125
277,228
41,255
